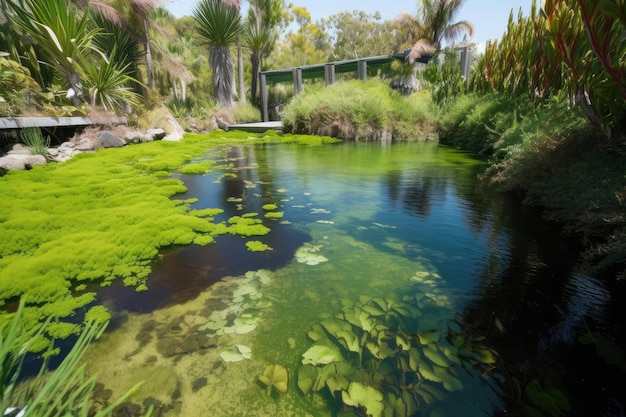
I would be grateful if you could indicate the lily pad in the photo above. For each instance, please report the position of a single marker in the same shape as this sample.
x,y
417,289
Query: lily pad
x,y
276,376
361,395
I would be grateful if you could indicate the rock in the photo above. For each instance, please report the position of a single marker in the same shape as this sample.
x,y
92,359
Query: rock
x,y
157,134
107,139
19,149
29,161
66,145
12,164
174,136
134,137
87,144
33,160
53,152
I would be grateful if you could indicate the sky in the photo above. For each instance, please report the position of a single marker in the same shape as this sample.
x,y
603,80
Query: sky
x,y
489,17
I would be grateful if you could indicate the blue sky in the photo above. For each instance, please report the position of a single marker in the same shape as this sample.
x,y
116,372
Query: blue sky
x,y
489,17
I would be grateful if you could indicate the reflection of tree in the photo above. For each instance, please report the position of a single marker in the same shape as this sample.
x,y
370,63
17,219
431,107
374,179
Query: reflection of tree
x,y
415,190
525,304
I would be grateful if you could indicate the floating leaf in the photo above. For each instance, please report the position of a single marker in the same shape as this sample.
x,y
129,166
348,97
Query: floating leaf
x,y
452,383
361,395
276,376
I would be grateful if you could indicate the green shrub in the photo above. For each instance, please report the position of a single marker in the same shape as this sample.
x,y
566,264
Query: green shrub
x,y
32,137
246,113
361,111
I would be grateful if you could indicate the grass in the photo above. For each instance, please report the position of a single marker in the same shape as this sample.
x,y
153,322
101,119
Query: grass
x,y
360,110
102,217
32,137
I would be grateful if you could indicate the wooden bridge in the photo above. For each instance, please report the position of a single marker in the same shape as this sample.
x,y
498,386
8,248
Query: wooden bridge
x,y
329,70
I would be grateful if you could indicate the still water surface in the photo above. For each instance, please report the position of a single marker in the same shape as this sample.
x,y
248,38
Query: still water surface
x,y
395,282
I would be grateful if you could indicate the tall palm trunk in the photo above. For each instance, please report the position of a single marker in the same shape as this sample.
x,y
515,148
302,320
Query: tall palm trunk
x,y
221,61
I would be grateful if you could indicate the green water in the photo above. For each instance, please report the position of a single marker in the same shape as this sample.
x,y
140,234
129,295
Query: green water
x,y
379,252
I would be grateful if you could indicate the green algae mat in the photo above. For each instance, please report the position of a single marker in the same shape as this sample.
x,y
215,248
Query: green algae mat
x,y
105,216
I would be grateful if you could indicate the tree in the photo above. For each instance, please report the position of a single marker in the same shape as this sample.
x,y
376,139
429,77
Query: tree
x,y
309,45
433,24
358,34
132,16
260,34
218,26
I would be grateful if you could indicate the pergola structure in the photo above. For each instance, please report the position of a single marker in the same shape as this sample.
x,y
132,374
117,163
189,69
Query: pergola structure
x,y
328,72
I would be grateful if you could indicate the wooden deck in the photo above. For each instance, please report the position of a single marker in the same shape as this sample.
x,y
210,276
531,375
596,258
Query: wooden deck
x,y
259,127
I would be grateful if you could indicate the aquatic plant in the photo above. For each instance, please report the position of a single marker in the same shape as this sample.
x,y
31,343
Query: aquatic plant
x,y
256,246
380,356
276,376
274,215
122,213
269,207
65,391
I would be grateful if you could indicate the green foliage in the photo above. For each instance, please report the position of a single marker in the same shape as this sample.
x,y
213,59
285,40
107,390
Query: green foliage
x,y
246,113
32,137
121,213
65,391
361,111
446,83
269,207
477,123
257,246
218,26
568,48
378,357
276,376
15,86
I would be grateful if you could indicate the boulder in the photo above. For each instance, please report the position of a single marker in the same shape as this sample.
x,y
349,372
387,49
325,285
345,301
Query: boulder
x,y
87,144
53,152
174,136
19,149
107,139
12,164
134,137
70,145
29,161
156,134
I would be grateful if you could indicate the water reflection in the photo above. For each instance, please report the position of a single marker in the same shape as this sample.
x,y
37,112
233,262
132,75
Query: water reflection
x,y
449,287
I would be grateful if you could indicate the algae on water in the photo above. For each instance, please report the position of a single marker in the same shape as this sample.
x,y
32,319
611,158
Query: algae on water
x,y
105,216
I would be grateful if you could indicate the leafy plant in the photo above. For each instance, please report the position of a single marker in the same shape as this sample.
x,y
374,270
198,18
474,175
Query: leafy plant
x,y
446,82
62,392
377,356
32,137
275,376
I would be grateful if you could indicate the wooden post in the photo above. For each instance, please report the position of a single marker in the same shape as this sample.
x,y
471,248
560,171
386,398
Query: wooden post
x,y
297,80
329,74
362,70
466,63
265,116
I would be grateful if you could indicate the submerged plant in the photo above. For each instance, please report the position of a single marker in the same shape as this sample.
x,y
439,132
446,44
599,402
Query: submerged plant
x,y
276,376
379,356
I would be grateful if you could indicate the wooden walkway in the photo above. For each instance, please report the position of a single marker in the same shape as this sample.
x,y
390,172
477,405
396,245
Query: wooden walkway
x,y
259,127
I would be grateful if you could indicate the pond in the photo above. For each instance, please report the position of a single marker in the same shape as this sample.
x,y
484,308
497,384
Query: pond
x,y
394,285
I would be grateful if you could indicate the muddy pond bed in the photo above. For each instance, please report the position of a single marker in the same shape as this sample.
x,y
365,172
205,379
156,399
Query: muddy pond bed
x,y
392,283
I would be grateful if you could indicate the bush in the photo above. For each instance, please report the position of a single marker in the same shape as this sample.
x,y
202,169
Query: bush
x,y
361,111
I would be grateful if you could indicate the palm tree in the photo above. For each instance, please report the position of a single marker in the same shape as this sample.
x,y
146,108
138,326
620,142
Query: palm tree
x,y
218,26
433,24
132,16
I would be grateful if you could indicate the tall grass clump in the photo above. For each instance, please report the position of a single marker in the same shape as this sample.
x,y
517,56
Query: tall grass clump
x,y
358,110
66,391
33,138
